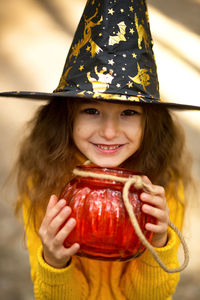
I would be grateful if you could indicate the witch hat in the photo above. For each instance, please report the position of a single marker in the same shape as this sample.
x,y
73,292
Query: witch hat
x,y
111,57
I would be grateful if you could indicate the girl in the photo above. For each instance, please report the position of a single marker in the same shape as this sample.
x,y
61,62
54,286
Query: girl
x,y
111,59
65,133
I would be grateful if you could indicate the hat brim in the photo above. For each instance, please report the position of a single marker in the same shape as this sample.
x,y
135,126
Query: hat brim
x,y
64,95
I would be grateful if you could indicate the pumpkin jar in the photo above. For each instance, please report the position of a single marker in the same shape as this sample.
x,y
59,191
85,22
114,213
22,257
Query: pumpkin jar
x,y
103,229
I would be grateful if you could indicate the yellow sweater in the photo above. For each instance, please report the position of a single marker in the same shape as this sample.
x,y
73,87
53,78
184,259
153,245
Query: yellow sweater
x,y
87,279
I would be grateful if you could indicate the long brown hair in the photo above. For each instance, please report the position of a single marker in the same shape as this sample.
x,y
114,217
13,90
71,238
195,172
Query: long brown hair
x,y
47,158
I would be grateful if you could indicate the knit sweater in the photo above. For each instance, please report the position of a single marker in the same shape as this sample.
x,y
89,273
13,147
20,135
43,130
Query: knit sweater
x,y
87,279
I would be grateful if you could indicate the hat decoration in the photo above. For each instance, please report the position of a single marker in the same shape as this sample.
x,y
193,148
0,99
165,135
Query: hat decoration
x,y
111,57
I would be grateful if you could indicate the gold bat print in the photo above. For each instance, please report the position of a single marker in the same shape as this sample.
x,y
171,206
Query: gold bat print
x,y
120,35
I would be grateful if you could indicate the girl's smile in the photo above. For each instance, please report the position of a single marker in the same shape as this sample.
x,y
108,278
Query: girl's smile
x,y
108,148
108,133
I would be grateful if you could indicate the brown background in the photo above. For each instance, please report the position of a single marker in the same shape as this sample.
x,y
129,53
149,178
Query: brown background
x,y
35,36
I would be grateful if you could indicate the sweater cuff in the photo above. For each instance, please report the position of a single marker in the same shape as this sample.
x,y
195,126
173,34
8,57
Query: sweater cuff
x,y
51,275
168,253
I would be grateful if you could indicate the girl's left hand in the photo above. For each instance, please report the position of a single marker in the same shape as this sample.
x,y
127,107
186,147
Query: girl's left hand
x,y
156,206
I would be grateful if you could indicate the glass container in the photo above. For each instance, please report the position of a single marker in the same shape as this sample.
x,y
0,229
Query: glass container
x,y
103,229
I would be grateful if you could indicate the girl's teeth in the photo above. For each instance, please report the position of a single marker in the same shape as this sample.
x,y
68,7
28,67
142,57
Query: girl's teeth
x,y
107,147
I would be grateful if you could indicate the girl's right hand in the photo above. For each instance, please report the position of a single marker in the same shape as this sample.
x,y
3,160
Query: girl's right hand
x,y
52,237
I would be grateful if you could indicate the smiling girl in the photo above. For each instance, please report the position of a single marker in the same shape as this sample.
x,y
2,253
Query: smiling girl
x,y
110,60
66,133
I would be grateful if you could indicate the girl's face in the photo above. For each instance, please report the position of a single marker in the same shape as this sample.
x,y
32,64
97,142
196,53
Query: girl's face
x,y
108,133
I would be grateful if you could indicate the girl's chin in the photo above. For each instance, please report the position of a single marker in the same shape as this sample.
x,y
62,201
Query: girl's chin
x,y
106,163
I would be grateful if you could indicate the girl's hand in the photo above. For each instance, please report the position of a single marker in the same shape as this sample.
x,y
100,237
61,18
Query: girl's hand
x,y
156,206
52,237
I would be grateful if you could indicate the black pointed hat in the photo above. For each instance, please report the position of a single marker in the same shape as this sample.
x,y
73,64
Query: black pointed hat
x,y
111,57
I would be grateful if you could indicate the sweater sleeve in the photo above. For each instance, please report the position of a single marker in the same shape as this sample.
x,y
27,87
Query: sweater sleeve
x,y
51,283
143,276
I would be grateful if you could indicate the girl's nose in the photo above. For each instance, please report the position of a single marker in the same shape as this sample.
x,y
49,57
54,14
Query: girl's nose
x,y
109,128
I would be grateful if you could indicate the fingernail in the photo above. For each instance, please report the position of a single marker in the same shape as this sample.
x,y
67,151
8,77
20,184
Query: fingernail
x,y
145,208
67,209
144,196
71,222
77,246
62,202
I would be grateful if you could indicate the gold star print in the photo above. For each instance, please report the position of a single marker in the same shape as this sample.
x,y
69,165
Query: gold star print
x,y
100,34
118,85
134,55
111,11
123,69
131,30
81,68
130,84
131,8
88,48
122,10
111,62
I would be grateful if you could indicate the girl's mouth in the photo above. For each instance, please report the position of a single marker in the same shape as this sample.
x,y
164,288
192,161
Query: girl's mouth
x,y
108,148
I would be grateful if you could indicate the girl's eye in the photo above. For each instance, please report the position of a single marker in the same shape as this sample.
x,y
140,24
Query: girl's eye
x,y
91,111
129,112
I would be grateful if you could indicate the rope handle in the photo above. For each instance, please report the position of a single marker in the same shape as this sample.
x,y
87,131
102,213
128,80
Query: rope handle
x,y
139,183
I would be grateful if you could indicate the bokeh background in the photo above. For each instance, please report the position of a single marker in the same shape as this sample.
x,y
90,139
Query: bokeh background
x,y
35,36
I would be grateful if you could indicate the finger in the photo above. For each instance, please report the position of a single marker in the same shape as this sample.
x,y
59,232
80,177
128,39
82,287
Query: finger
x,y
156,201
157,228
154,190
52,202
147,185
72,250
159,214
158,190
146,179
58,221
52,210
63,233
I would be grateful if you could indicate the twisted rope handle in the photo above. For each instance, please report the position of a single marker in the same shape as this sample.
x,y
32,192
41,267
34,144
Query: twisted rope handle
x,y
139,183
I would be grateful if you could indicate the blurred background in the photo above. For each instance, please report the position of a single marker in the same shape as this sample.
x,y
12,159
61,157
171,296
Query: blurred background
x,y
35,36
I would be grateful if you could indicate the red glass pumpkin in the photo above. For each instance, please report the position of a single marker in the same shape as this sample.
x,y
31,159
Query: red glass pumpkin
x,y
104,230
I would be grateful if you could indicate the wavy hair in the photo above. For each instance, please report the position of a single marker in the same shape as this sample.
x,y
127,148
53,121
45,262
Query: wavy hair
x,y
46,158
